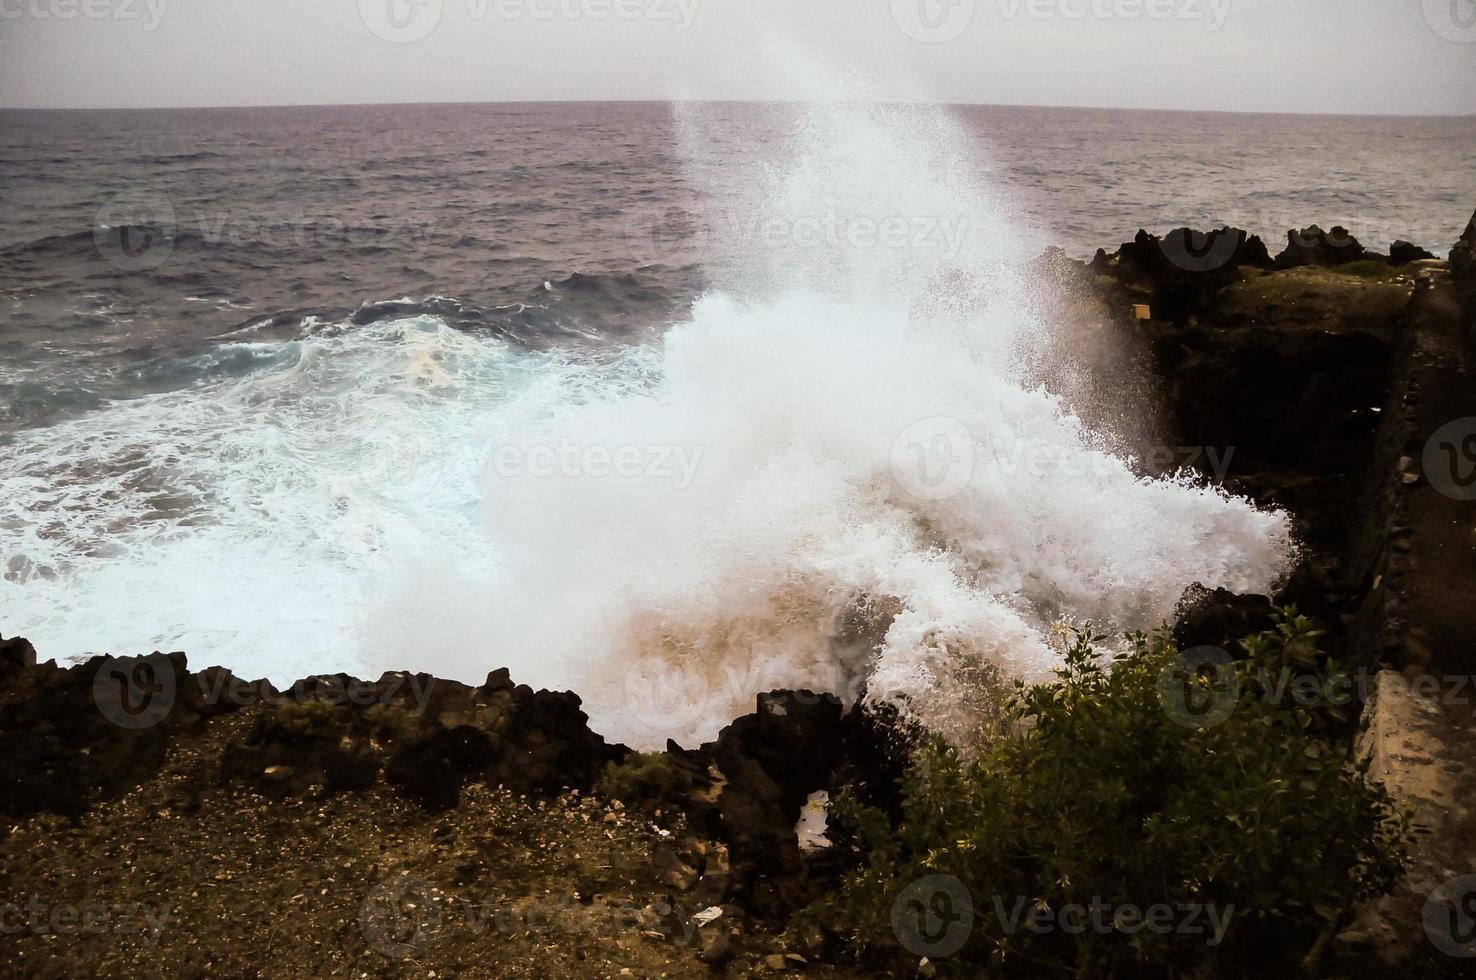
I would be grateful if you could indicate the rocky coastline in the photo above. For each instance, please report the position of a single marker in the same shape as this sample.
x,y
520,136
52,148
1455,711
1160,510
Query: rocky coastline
x,y
414,826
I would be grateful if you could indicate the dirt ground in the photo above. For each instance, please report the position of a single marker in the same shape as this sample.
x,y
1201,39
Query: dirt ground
x,y
185,878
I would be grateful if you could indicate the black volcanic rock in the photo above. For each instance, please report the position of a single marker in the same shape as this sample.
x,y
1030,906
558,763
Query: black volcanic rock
x,y
1185,270
70,736
1403,253
1313,246
748,787
771,761
301,744
1218,617
500,733
1463,272
1188,250
1276,391
16,657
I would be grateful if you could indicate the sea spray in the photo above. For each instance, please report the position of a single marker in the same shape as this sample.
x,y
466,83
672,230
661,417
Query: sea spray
x,y
861,518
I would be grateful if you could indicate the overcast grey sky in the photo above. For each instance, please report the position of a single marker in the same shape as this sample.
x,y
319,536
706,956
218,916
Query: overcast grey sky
x,y
1367,56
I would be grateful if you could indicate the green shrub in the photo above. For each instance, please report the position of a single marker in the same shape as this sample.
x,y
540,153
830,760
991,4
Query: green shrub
x,y
644,779
1099,793
308,719
390,722
1365,269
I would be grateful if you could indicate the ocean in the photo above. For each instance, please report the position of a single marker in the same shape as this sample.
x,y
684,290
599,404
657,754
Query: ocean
x,y
666,404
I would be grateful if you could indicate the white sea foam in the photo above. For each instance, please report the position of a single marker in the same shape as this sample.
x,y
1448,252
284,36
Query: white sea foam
x,y
251,520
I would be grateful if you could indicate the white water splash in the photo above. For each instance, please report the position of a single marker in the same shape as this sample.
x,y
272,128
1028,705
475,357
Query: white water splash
x,y
808,551
841,468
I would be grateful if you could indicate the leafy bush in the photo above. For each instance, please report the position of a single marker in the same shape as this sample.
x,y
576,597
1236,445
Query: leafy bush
x,y
1104,794
1365,269
644,779
308,719
391,722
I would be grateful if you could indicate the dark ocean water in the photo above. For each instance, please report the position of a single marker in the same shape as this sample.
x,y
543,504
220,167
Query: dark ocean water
x,y
224,219
259,369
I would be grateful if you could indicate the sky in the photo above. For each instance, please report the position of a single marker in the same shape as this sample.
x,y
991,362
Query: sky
x,y
1332,56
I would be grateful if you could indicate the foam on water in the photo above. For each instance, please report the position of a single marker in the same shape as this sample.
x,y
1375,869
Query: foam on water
x,y
842,468
248,520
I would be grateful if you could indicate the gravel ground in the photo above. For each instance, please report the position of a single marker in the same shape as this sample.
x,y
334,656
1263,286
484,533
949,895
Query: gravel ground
x,y
182,877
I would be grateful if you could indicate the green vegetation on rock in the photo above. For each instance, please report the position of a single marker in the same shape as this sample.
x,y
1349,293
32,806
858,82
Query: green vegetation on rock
x,y
1106,793
1365,269
644,778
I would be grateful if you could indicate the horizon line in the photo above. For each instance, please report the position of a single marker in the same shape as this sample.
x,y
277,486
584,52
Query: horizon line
x,y
509,102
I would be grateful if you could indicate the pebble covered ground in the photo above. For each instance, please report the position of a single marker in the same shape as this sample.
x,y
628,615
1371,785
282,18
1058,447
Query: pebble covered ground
x,y
183,877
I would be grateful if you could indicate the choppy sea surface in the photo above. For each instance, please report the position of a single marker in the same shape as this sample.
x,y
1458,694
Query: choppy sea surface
x,y
624,396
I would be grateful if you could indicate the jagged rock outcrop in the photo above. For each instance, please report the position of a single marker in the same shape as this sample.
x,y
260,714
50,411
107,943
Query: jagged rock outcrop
x,y
1218,617
1281,409
747,788
429,737
1313,246
70,736
501,733
1403,253
16,657
1184,271
1277,390
1463,273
